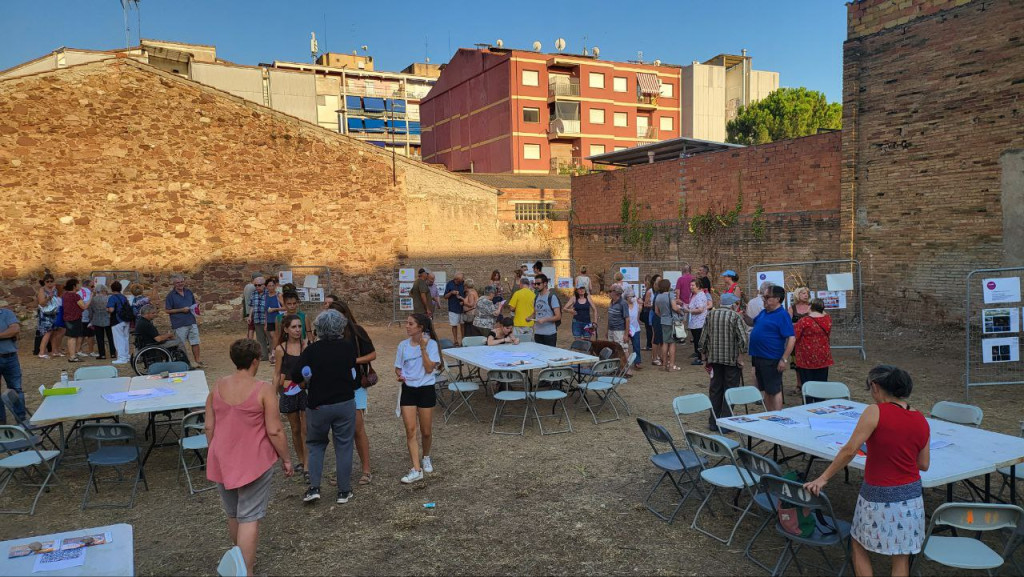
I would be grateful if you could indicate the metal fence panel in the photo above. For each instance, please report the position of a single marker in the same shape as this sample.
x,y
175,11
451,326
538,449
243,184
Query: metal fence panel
x,y
402,307
312,282
992,324
561,272
645,270
109,276
848,322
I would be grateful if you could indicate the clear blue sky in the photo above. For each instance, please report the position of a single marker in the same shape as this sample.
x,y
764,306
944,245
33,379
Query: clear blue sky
x,y
800,39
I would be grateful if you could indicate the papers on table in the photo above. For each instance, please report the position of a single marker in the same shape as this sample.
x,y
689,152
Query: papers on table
x,y
52,557
781,420
743,419
138,395
829,409
939,444
824,425
57,560
173,377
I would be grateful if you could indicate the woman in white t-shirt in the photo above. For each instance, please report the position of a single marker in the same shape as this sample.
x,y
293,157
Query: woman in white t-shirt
x,y
700,304
634,329
415,362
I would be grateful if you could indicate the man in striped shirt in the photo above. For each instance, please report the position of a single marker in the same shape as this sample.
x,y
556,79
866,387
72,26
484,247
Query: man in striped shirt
x,y
723,340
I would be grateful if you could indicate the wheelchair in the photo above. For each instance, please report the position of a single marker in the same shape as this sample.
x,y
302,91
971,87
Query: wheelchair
x,y
152,354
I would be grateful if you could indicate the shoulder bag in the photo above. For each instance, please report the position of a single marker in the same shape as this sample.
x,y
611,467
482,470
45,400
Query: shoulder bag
x,y
368,376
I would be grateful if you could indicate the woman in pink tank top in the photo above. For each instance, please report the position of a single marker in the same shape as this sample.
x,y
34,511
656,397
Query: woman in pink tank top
x,y
245,436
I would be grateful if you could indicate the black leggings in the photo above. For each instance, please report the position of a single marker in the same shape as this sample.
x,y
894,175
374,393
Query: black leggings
x,y
695,333
108,334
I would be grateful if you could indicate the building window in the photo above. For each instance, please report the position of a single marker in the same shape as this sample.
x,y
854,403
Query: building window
x,y
666,90
531,151
596,149
596,80
618,148
531,114
531,78
597,116
619,84
621,119
665,123
533,210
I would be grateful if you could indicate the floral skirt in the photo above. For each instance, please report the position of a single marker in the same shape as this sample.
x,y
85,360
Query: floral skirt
x,y
46,323
890,520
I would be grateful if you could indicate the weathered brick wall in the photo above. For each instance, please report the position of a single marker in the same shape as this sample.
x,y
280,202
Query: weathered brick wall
x,y
558,197
795,181
866,17
115,165
928,109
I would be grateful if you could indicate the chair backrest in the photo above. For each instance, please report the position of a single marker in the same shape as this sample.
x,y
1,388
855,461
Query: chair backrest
x,y
746,395
557,375
194,423
690,404
655,434
13,434
507,377
10,398
232,564
978,516
98,372
757,463
170,367
824,390
526,338
605,368
793,494
709,446
107,432
958,413
445,343
580,347
474,341
605,354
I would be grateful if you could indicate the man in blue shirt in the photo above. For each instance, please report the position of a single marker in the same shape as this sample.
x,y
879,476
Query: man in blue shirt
x,y
771,343
178,304
455,292
10,368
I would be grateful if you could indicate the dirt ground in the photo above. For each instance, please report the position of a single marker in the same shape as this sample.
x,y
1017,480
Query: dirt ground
x,y
562,504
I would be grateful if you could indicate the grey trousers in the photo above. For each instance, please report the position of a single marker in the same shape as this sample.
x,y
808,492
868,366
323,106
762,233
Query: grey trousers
x,y
338,419
264,340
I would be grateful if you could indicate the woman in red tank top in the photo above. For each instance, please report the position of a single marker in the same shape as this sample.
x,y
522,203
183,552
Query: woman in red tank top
x,y
889,518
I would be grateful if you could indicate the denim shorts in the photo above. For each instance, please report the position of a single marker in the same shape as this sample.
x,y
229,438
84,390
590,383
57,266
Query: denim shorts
x,y
361,399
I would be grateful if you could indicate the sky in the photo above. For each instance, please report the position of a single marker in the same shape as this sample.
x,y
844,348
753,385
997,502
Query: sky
x,y
800,39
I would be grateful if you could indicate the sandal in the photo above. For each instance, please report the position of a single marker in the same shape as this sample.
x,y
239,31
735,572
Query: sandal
x,y
656,362
366,479
44,356
675,368
74,360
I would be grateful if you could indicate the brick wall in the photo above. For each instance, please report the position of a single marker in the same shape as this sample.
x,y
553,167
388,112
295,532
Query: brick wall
x,y
928,109
558,197
865,17
115,165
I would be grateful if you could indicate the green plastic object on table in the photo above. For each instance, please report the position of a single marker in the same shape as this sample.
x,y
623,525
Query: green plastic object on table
x,y
60,391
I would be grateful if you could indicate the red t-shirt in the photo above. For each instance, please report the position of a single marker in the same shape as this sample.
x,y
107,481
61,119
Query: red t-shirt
x,y
812,344
72,312
894,445
683,288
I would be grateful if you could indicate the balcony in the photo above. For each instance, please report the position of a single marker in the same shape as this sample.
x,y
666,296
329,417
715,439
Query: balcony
x,y
563,128
570,89
646,133
572,166
648,101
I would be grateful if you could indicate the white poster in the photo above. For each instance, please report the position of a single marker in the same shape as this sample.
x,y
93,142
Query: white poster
x,y
1001,350
316,295
406,275
549,271
311,281
100,280
672,276
839,282
773,276
405,304
125,282
999,321
440,279
1001,290
404,288
630,273
284,277
303,293
833,299
565,283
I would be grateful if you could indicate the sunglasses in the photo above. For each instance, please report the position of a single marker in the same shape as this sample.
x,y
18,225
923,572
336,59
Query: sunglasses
x,y
261,284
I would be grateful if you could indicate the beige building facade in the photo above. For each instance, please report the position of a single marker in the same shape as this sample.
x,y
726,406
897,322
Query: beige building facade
x,y
714,91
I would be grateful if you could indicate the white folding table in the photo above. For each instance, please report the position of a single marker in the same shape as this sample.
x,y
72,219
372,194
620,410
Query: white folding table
x,y
521,357
116,558
189,392
973,452
87,403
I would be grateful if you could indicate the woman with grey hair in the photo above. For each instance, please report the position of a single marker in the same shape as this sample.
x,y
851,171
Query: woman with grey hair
x,y
99,318
487,310
326,369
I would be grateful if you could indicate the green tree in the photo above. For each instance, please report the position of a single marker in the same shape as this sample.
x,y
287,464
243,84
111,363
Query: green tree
x,y
785,113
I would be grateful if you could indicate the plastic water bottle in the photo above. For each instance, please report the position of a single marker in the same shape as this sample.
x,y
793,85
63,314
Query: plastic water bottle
x,y
63,378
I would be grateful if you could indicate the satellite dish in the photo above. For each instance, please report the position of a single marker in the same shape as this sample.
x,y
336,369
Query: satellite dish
x,y
560,44
536,46
597,52
364,47
499,43
657,62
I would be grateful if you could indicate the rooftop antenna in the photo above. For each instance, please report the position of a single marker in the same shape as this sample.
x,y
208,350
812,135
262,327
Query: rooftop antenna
x,y
640,56
313,47
585,45
560,44
536,45
597,52
126,8
499,43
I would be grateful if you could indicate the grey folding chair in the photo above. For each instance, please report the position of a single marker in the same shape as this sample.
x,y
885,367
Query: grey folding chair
x,y
582,347
815,391
193,429
513,388
460,392
31,460
757,466
603,390
744,398
694,404
829,532
958,413
728,476
170,367
166,419
115,445
232,564
672,463
94,373
620,379
554,382
40,433
474,372
1015,471
969,552
585,372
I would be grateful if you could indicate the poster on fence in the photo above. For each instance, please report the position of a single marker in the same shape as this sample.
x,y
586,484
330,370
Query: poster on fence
x,y
630,273
833,299
440,280
996,321
776,277
406,275
839,282
284,277
405,304
565,283
404,288
1001,290
672,276
316,295
1001,350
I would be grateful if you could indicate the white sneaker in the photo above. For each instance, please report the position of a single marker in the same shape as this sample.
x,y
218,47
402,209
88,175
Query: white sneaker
x,y
119,362
94,354
428,467
413,476
81,354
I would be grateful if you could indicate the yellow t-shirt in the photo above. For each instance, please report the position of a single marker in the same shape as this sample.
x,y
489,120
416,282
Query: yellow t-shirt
x,y
522,302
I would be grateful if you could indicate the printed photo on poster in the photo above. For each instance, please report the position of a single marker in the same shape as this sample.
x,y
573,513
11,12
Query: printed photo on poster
x,y
311,281
630,273
285,277
565,283
1001,290
316,295
404,288
303,294
440,280
405,304
773,276
996,321
1002,350
833,299
406,275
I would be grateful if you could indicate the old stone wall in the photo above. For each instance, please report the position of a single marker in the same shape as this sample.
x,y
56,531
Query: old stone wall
x,y
117,166
932,100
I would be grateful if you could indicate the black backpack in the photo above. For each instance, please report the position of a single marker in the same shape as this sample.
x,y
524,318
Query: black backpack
x,y
124,311
558,323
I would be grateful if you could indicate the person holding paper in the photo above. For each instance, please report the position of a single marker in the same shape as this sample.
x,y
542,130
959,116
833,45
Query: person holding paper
x,y
502,334
547,312
146,333
487,310
455,294
889,518
522,303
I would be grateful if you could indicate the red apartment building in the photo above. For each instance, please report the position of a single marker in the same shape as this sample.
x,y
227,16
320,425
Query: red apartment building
x,y
496,110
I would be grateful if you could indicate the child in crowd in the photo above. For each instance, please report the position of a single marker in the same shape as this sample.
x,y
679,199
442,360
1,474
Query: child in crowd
x,y
292,406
